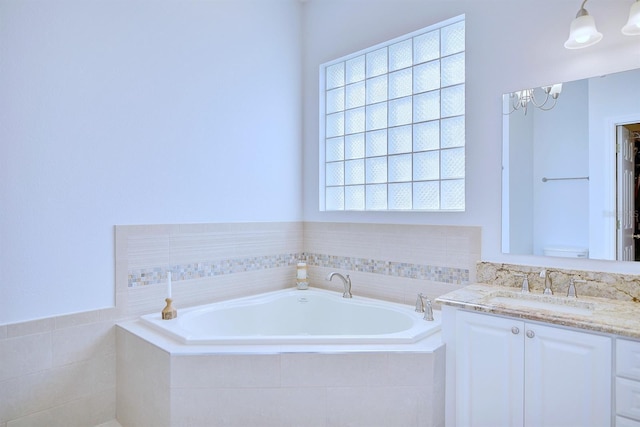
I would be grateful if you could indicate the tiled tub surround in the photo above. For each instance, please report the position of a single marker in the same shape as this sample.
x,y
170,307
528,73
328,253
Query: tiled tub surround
x,y
209,262
393,262
212,262
386,262
61,371
164,383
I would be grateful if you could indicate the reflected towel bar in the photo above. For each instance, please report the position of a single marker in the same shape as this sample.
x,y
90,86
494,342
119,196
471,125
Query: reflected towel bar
x,y
545,179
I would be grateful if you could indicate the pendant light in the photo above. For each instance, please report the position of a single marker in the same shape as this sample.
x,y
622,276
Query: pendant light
x,y
583,30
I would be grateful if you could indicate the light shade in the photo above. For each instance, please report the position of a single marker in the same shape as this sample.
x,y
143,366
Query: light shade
x,y
633,24
583,32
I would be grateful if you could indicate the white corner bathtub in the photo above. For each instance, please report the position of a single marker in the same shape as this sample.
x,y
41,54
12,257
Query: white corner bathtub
x,y
289,357
292,316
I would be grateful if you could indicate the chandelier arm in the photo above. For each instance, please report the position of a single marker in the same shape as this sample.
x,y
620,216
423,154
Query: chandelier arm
x,y
514,105
542,107
538,104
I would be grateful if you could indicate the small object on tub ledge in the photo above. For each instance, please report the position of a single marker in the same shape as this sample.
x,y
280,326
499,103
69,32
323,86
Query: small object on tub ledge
x,y
301,276
169,312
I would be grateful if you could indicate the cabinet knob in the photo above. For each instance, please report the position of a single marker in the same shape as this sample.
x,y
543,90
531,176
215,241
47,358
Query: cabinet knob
x,y
515,330
531,334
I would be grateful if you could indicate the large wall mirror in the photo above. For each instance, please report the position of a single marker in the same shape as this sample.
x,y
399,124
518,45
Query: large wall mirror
x,y
571,168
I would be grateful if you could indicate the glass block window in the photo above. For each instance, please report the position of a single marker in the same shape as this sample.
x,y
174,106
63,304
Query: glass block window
x,y
393,124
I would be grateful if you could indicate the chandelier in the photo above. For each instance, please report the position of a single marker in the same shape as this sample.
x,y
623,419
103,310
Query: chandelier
x,y
544,98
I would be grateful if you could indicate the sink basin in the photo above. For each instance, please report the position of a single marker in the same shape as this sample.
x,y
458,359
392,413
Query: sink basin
x,y
540,302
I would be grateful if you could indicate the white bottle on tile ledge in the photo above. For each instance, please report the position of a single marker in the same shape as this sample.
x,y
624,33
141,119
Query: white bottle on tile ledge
x,y
301,276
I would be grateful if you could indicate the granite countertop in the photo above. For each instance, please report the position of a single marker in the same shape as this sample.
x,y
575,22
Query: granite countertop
x,y
589,313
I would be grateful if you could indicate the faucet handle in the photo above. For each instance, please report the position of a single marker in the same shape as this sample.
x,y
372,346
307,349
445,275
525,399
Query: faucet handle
x,y
571,291
420,303
547,282
428,312
525,282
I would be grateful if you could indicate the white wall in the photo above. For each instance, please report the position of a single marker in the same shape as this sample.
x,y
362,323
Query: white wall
x,y
117,112
129,112
510,45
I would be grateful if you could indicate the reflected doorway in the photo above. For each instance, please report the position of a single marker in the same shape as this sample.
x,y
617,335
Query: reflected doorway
x,y
628,192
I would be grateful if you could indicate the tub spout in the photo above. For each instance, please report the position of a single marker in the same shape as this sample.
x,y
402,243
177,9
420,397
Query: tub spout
x,y
345,280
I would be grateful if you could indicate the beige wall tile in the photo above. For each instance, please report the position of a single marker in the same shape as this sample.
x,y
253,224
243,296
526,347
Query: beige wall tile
x,y
142,384
420,244
83,342
71,320
24,355
375,406
58,386
237,370
90,410
323,370
236,407
9,399
148,251
30,327
411,369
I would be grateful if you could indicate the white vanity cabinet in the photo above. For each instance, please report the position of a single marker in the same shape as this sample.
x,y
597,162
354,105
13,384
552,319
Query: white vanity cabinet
x,y
627,383
510,372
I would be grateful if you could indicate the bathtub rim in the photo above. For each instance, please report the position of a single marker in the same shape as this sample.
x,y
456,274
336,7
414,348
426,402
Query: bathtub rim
x,y
161,339
142,331
415,333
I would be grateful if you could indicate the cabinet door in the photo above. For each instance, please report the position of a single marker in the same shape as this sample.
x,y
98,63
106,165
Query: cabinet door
x,y
628,398
567,378
628,359
489,370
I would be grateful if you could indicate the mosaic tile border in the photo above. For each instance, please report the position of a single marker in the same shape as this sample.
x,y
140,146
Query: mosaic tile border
x,y
432,273
199,270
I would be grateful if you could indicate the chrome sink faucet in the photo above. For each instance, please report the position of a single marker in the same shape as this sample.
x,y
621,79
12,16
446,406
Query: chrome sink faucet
x,y
571,291
345,280
547,282
525,283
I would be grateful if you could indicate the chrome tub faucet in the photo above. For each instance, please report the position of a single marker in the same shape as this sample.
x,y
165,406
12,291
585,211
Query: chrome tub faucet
x,y
345,280
423,305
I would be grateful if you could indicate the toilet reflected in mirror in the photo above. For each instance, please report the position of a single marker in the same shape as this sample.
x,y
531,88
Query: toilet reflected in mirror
x,y
565,252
